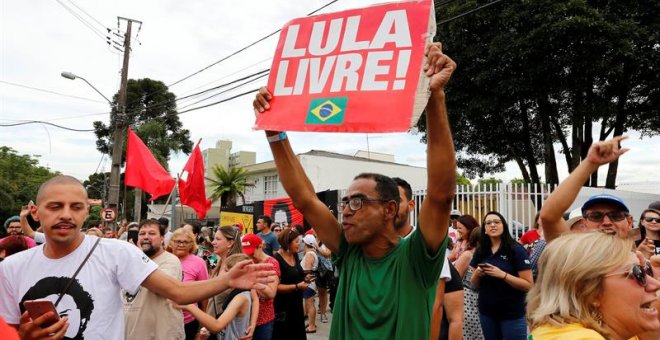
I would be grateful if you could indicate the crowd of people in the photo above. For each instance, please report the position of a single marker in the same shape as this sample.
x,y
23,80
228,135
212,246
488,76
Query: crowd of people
x,y
580,274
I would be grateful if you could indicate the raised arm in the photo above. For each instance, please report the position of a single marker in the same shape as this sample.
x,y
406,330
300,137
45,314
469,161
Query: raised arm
x,y
561,199
441,160
25,226
244,275
297,185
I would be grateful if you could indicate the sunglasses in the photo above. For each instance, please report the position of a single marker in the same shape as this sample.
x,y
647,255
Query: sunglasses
x,y
637,273
599,216
652,219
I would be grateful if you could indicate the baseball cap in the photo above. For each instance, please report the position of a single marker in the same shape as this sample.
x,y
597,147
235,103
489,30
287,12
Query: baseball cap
x,y
250,243
604,199
310,240
655,205
309,232
240,226
455,212
574,216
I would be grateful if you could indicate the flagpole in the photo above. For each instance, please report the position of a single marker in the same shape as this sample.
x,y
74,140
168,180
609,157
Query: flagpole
x,y
162,213
174,192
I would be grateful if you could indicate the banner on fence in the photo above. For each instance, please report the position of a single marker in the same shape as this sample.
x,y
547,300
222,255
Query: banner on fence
x,y
358,70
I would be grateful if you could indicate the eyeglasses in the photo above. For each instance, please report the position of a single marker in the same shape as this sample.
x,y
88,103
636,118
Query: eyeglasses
x,y
487,222
638,273
181,242
652,219
599,216
356,203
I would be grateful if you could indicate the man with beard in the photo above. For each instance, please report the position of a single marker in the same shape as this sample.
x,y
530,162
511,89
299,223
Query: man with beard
x,y
452,317
99,267
13,227
148,315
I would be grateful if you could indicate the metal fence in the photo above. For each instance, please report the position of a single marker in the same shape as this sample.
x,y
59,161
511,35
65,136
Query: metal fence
x,y
517,202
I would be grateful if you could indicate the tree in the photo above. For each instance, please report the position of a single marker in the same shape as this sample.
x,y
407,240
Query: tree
x,y
151,111
228,185
97,185
20,178
536,73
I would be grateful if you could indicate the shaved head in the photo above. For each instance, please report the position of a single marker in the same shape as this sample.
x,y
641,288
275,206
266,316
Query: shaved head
x,y
59,180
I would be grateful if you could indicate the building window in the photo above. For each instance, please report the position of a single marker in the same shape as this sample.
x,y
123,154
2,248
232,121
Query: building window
x,y
270,186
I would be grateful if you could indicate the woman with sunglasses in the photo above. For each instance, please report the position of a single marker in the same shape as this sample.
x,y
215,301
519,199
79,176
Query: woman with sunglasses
x,y
226,242
502,273
591,286
649,227
183,245
289,313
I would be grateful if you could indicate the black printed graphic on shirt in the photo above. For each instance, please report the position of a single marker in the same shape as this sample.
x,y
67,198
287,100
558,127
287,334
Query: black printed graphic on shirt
x,y
77,304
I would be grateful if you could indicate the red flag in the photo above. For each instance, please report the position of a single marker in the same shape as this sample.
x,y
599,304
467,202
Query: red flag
x,y
143,170
191,184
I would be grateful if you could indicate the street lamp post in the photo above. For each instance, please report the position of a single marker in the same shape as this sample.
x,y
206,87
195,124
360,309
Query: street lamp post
x,y
69,75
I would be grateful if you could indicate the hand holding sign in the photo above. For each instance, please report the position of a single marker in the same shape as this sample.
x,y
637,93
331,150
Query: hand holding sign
x,y
438,66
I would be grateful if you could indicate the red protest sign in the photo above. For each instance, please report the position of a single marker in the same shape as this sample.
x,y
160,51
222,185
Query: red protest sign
x,y
358,70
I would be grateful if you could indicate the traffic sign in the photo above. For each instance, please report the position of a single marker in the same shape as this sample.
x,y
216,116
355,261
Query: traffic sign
x,y
108,214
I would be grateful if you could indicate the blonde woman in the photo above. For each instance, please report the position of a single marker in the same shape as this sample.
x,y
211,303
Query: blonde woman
x,y
591,286
183,245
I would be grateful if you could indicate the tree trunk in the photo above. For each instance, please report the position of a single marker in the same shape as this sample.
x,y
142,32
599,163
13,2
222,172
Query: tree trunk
x,y
577,133
551,175
619,122
137,206
528,151
523,169
562,138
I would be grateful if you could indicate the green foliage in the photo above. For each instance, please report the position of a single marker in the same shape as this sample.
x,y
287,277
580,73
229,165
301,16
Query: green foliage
x,y
20,178
462,180
97,185
94,215
151,113
228,185
534,73
487,183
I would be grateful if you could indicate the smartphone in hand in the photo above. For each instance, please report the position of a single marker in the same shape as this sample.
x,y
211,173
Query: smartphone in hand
x,y
483,265
37,308
133,235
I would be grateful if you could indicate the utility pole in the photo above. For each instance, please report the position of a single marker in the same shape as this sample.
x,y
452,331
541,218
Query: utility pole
x,y
121,122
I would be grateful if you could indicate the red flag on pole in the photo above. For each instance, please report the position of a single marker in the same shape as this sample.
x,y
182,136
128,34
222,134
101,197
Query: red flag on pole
x,y
191,184
143,170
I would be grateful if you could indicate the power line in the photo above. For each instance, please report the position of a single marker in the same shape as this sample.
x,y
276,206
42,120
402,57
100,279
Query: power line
x,y
469,12
244,48
221,101
266,71
50,91
47,123
93,18
82,20
227,90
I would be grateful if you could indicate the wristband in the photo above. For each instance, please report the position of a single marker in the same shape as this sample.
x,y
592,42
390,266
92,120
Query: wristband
x,y
276,138
505,275
296,287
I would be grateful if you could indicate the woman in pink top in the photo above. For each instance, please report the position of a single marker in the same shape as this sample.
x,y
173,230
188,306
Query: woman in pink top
x,y
183,245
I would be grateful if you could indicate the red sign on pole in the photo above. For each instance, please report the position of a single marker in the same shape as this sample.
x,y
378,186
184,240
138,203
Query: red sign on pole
x,y
358,70
108,214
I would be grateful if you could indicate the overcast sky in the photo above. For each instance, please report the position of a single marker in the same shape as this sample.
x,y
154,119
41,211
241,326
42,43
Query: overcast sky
x,y
41,39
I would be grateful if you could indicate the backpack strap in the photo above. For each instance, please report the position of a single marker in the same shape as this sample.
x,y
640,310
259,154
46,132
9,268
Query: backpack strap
x,y
68,285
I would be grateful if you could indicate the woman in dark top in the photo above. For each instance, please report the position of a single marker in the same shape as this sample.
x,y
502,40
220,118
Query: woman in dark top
x,y
289,314
503,275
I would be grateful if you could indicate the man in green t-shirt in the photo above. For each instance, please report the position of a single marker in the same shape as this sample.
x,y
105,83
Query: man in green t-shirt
x,y
384,280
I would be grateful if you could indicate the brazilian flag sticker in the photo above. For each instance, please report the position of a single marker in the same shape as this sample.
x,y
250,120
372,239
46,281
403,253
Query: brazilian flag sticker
x,y
328,111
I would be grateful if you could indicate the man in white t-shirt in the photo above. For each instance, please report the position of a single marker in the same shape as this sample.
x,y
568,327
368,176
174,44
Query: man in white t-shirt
x,y
91,307
148,315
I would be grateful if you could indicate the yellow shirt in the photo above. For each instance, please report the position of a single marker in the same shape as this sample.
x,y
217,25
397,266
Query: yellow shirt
x,y
572,331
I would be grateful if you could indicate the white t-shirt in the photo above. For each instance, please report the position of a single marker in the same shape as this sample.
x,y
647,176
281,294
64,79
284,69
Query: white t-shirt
x,y
445,273
92,303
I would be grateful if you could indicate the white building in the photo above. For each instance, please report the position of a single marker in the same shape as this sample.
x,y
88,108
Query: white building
x,y
330,171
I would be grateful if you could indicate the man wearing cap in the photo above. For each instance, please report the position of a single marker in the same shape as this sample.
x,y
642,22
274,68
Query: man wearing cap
x,y
383,279
604,212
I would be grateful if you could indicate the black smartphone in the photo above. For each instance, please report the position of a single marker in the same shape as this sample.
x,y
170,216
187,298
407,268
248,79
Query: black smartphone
x,y
483,265
132,235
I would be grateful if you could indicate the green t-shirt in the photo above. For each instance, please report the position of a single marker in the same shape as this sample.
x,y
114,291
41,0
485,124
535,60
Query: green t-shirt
x,y
389,297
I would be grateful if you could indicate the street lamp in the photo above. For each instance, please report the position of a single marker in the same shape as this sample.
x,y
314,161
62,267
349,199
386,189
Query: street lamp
x,y
71,76
117,139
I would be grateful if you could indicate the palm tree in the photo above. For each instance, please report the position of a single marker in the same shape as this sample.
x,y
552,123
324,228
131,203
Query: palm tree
x,y
228,185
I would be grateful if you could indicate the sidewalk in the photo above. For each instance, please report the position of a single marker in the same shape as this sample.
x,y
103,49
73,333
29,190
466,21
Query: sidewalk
x,y
322,329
